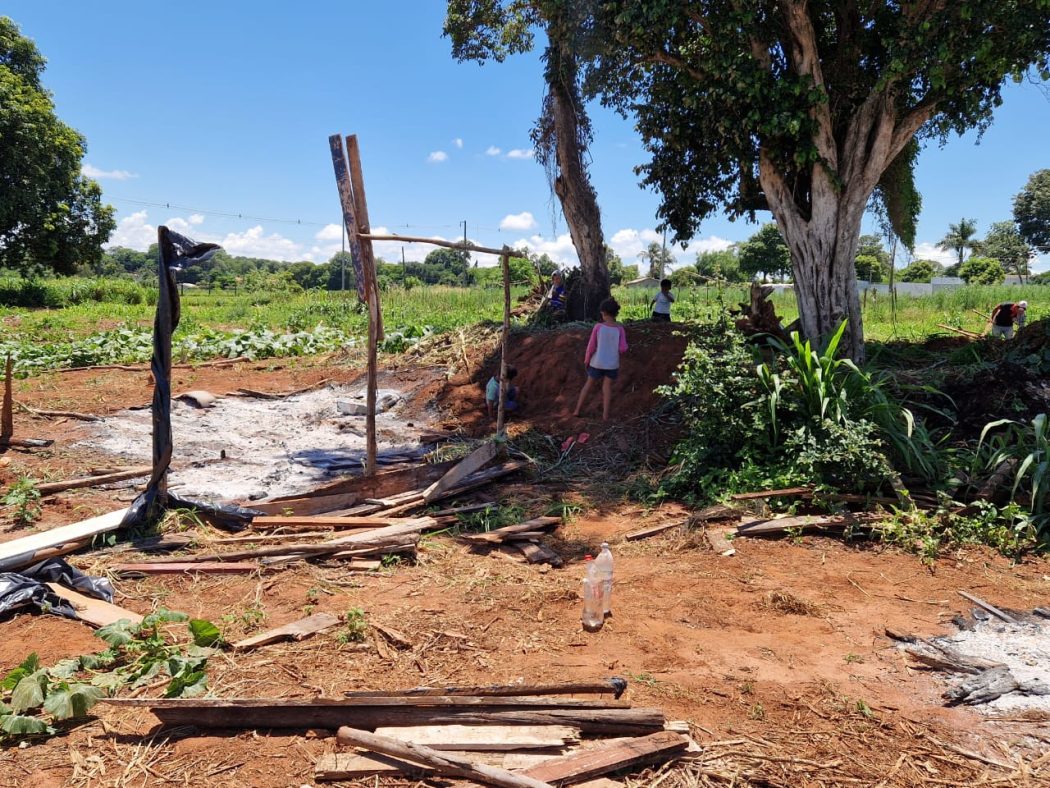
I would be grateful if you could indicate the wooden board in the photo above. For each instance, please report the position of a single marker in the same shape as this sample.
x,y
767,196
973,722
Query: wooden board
x,y
180,567
298,521
474,461
25,551
602,760
486,738
307,505
96,612
538,554
300,714
653,530
356,765
801,523
50,488
500,535
381,485
297,630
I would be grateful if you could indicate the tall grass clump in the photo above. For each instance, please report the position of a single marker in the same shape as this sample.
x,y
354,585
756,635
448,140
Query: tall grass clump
x,y
71,291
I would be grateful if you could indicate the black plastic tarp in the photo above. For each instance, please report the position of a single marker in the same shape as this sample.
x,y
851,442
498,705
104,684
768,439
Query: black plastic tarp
x,y
27,589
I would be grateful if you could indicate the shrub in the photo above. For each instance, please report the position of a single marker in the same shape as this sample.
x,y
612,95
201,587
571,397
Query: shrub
x,y
982,271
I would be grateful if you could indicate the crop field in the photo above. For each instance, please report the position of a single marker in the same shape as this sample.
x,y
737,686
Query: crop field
x,y
109,321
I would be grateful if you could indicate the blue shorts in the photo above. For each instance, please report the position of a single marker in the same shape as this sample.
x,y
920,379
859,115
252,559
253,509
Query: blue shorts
x,y
597,374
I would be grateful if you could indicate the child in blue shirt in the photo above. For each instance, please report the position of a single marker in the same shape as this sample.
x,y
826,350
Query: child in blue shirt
x,y
510,401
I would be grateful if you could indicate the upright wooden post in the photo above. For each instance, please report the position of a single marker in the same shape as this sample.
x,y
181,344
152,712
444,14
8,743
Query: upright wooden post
x,y
501,413
7,421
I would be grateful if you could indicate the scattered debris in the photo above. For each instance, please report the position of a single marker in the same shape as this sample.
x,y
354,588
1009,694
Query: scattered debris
x,y
297,630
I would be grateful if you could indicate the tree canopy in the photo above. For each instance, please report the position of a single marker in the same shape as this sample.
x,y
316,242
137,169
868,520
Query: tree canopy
x,y
982,271
50,215
765,253
960,238
1005,244
1032,211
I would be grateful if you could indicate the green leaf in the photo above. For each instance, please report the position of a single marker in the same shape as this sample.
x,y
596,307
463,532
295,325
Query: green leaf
x,y
204,632
163,616
65,668
29,693
74,701
187,685
118,633
21,725
31,664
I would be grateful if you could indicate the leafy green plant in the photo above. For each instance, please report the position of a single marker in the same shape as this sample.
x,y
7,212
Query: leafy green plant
x,y
1024,452
25,498
355,626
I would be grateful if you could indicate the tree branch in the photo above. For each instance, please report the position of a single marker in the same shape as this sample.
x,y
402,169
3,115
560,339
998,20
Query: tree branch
x,y
666,58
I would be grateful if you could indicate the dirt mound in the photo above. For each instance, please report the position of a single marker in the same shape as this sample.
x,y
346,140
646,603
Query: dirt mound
x,y
551,374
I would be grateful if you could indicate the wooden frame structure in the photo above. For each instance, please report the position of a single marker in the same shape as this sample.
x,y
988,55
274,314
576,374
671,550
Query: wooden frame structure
x,y
349,180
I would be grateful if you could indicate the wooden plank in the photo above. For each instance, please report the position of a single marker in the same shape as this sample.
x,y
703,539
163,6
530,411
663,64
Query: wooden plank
x,y
297,630
25,551
653,530
990,608
356,765
614,686
500,535
7,414
96,612
312,521
300,714
382,484
183,567
801,523
797,492
308,505
538,554
486,738
50,488
385,701
473,462
445,764
602,760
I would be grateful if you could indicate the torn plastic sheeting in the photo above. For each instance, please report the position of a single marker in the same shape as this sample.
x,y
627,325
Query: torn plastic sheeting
x,y
27,589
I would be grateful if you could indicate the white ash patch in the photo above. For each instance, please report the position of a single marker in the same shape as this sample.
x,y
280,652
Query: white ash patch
x,y
272,447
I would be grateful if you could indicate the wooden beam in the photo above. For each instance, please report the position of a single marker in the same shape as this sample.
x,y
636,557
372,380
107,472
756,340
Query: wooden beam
x,y
346,201
486,738
501,411
614,686
184,567
613,757
355,765
653,530
299,714
297,630
7,424
473,462
798,492
27,550
466,247
50,488
96,612
313,521
990,608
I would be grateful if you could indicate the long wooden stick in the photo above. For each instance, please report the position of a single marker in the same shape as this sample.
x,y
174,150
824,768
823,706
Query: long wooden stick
x,y
614,686
441,762
50,488
221,362
467,247
7,424
501,414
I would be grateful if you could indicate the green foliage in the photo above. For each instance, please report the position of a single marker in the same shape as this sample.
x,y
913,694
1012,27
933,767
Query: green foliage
x,y
37,698
24,496
868,267
765,253
918,271
720,266
355,627
897,197
1032,211
50,215
657,260
960,238
1005,244
982,271
1025,450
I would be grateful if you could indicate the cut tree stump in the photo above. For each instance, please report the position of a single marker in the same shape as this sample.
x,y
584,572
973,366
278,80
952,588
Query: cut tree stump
x,y
297,630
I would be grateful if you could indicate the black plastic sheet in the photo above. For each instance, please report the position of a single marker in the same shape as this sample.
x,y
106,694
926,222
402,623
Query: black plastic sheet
x,y
27,589
176,252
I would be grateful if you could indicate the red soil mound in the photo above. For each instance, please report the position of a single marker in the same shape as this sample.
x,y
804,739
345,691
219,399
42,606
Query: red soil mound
x,y
551,374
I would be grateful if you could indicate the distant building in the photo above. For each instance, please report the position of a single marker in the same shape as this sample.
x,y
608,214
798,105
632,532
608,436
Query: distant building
x,y
644,282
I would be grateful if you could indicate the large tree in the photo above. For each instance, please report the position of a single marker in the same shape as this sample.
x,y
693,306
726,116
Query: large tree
x,y
960,238
765,253
1005,244
1032,211
50,215
806,109
483,30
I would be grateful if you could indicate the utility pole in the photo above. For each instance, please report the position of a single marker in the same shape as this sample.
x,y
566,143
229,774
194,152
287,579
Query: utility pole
x,y
663,256
404,275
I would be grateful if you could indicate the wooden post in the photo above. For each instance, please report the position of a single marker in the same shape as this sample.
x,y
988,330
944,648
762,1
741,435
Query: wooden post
x,y
501,414
7,423
375,316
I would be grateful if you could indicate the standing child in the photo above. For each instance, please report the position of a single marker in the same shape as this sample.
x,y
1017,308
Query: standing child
x,y
662,303
602,359
510,399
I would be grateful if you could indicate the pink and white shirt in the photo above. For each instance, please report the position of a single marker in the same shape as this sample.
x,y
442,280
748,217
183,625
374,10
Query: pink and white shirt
x,y
605,346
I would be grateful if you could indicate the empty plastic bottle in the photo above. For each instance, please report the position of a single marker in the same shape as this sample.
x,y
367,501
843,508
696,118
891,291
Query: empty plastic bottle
x,y
603,568
592,598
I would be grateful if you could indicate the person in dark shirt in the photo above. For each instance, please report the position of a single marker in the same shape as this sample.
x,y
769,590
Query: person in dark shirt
x,y
1005,315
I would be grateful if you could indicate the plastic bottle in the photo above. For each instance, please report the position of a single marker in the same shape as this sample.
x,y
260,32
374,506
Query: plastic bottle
x,y
603,568
592,598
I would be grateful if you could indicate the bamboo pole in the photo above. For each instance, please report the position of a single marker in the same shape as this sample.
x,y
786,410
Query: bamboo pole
x,y
501,414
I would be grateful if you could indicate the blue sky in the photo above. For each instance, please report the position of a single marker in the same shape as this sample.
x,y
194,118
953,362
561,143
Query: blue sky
x,y
226,107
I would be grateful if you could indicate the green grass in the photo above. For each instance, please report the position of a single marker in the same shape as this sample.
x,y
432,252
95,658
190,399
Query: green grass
x,y
116,328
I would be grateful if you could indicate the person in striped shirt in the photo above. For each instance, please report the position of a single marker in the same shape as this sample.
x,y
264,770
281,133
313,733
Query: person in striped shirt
x,y
602,358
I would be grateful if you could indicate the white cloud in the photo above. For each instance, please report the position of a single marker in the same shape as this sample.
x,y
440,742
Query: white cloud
x,y
134,232
196,219
520,153
91,171
559,249
929,251
458,142
255,243
629,243
330,232
492,150
518,221
437,156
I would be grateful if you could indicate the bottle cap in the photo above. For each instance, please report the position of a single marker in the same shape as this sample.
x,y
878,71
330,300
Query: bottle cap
x,y
588,558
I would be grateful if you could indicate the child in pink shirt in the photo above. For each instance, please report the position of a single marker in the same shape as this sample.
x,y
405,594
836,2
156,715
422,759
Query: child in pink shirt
x,y
602,359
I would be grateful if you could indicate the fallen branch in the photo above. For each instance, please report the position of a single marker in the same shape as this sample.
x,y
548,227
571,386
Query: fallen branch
x,y
60,414
50,488
990,608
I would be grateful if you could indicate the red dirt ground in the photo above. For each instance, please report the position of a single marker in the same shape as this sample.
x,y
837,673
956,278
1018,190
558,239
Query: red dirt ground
x,y
694,632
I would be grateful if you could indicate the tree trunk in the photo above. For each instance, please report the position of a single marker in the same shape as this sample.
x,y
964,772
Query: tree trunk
x,y
579,203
